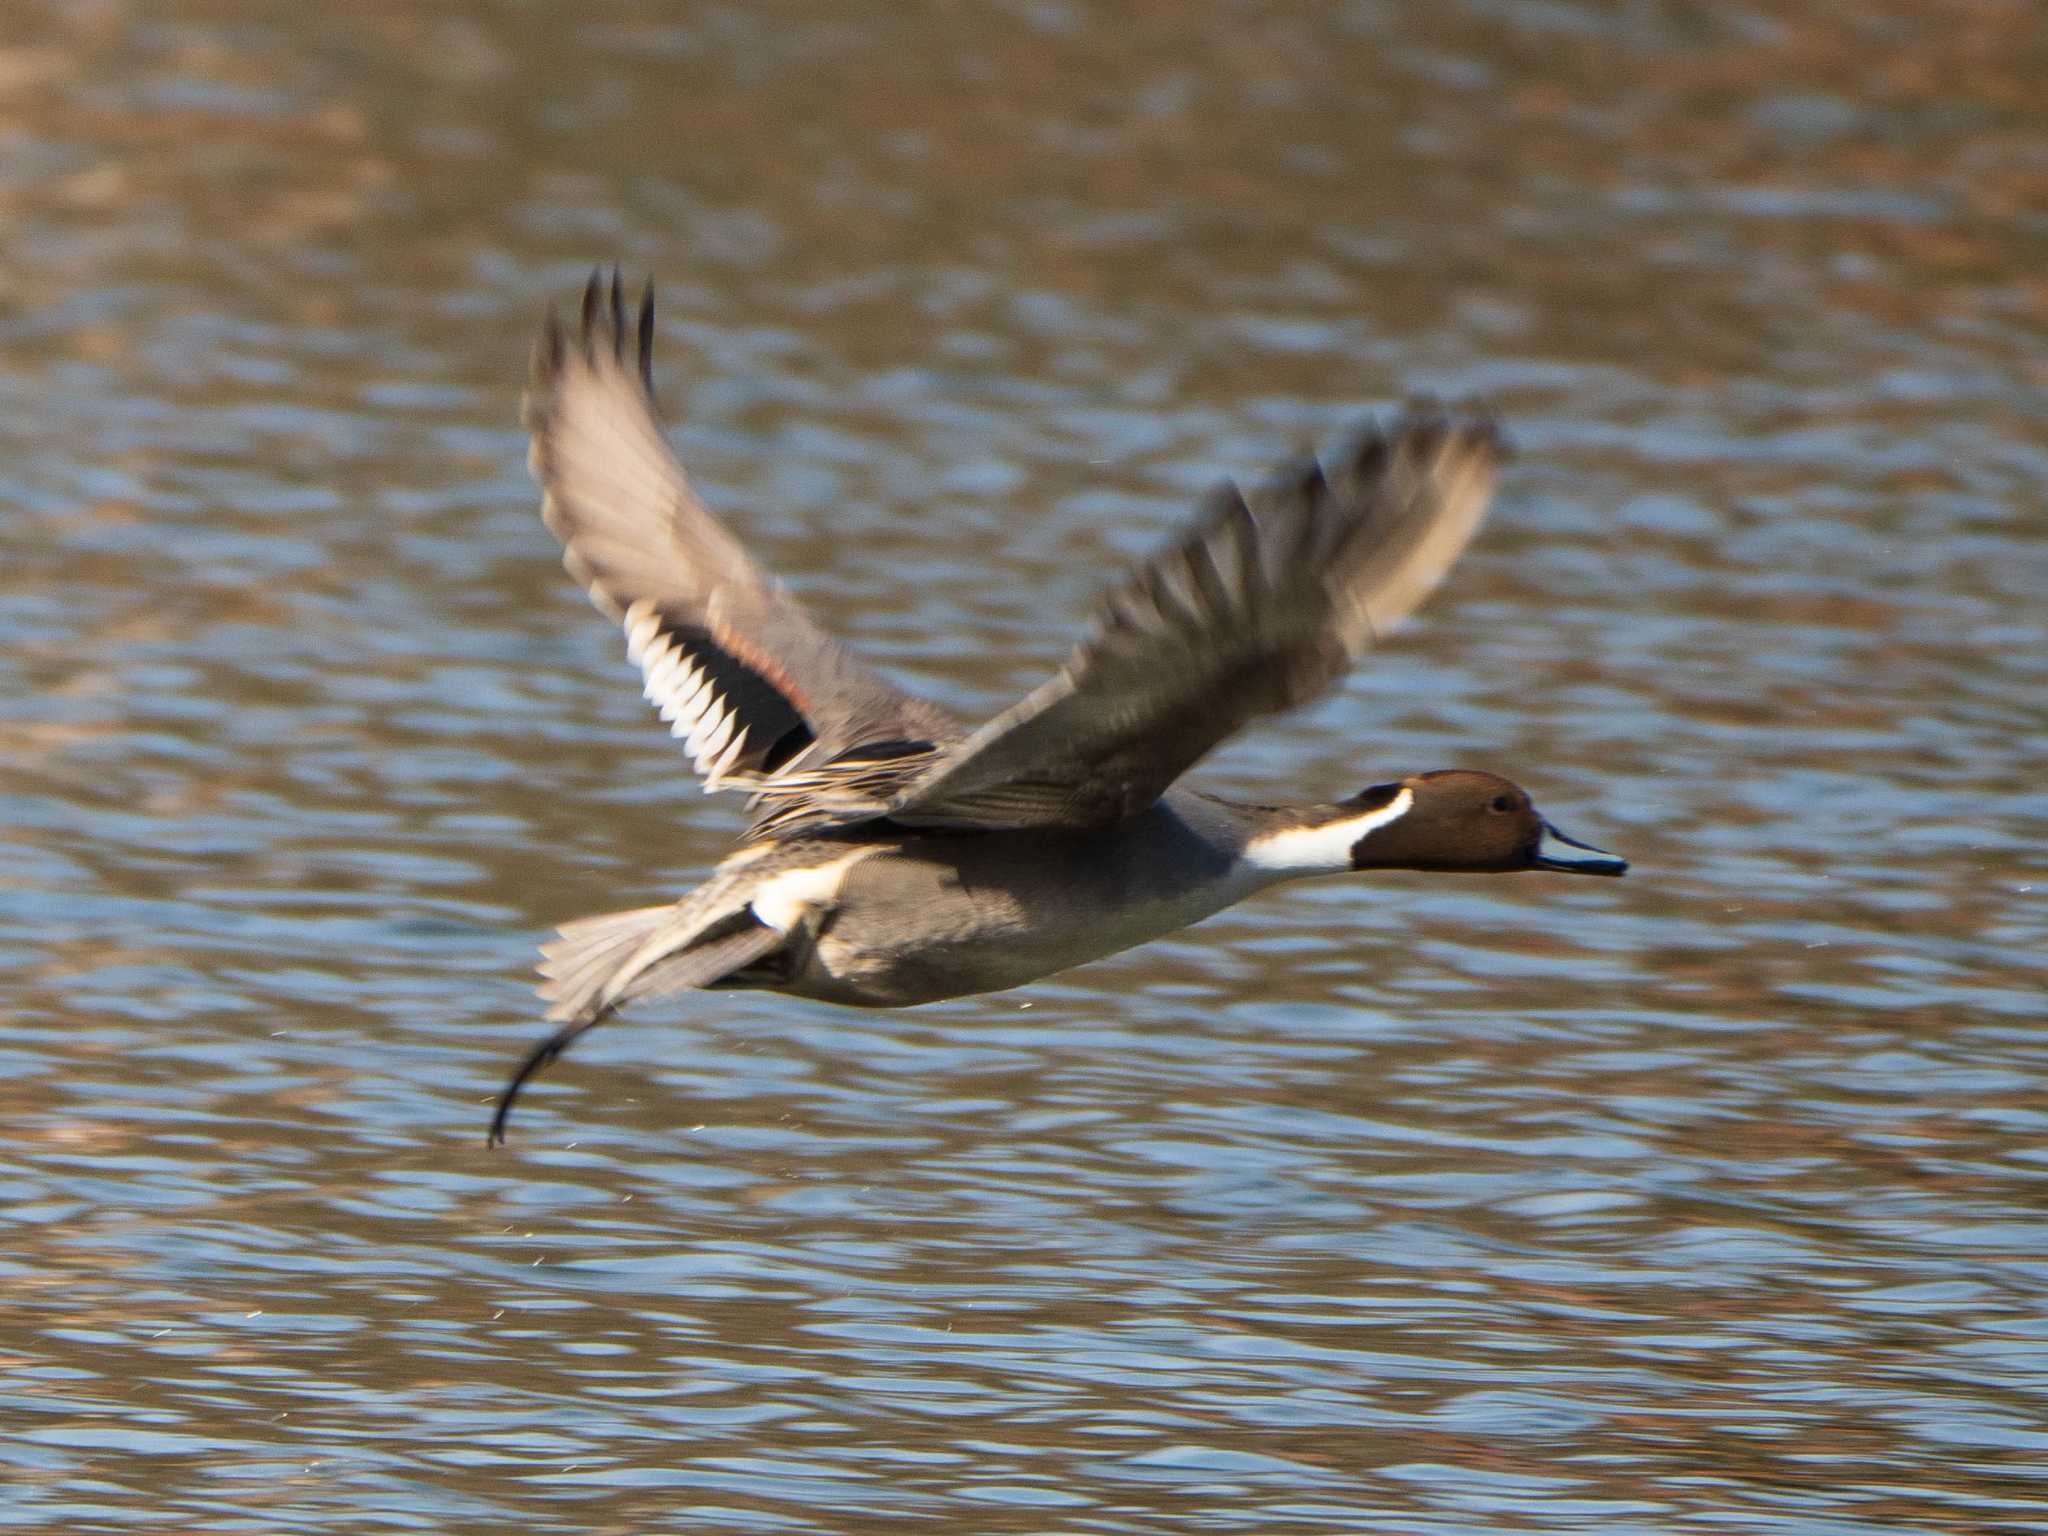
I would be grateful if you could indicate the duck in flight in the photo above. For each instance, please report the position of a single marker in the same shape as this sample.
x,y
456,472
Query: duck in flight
x,y
895,856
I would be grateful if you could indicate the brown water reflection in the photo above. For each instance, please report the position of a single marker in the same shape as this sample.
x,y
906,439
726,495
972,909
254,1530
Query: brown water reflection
x,y
1705,1201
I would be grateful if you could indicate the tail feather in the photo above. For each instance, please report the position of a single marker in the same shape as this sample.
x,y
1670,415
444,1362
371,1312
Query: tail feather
x,y
596,963
698,966
585,955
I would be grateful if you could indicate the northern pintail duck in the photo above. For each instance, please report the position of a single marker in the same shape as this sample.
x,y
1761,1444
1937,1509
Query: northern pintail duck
x,y
895,856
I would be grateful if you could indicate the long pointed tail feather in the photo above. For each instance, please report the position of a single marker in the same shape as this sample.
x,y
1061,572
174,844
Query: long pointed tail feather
x,y
577,963
596,964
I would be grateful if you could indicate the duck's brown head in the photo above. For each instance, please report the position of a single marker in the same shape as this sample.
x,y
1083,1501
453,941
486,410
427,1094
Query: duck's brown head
x,y
1460,819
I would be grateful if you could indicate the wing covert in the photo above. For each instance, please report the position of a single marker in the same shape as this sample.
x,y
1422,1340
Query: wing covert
x,y
733,662
1258,607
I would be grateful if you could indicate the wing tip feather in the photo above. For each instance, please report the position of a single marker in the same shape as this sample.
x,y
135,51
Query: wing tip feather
x,y
604,331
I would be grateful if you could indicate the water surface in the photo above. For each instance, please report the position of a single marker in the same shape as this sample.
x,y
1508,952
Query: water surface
x,y
1705,1200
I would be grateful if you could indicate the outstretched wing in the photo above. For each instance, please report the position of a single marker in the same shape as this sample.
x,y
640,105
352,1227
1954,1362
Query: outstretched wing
x,y
1259,607
735,665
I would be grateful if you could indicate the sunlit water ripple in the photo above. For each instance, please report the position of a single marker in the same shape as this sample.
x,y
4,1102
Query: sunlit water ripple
x,y
1705,1200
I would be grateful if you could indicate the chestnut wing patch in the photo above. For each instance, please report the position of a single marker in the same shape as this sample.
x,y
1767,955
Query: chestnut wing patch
x,y
733,721
758,692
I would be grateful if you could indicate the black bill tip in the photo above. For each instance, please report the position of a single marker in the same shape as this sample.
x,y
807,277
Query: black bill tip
x,y
1556,851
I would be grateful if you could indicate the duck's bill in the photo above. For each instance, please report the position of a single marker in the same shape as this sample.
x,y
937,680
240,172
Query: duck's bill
x,y
1556,851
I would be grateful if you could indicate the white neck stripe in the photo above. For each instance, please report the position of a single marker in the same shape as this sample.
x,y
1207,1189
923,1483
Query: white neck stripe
x,y
1321,849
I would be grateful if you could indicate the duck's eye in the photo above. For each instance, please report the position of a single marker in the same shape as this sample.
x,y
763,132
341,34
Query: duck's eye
x,y
1503,803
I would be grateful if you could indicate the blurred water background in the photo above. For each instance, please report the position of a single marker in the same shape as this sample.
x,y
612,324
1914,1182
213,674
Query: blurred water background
x,y
1708,1200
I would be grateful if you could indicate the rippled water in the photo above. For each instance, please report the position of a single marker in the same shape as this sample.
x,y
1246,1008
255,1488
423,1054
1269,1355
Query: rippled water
x,y
1708,1200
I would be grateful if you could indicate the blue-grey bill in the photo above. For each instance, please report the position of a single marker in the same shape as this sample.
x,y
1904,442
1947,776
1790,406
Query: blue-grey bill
x,y
1556,851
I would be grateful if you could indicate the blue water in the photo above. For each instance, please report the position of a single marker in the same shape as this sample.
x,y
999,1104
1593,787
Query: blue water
x,y
1706,1200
